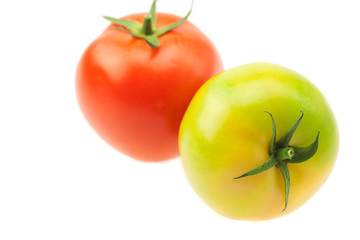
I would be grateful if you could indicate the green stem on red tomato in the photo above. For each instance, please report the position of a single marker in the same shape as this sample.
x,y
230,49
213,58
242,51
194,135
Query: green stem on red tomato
x,y
148,30
147,27
281,154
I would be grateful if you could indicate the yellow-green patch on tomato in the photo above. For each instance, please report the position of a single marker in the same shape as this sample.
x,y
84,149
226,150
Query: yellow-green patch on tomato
x,y
226,132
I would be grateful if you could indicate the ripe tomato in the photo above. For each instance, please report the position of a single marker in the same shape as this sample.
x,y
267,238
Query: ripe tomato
x,y
134,92
225,137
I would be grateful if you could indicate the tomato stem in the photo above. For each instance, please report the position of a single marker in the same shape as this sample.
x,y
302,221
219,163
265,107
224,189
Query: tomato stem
x,y
281,154
147,31
284,153
147,27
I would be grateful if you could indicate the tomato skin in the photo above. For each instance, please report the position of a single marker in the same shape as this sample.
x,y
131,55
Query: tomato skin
x,y
135,96
225,133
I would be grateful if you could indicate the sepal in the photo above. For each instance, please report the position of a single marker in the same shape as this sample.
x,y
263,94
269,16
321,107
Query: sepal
x,y
286,175
271,162
303,154
285,140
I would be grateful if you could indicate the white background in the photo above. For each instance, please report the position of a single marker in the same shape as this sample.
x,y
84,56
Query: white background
x,y
59,180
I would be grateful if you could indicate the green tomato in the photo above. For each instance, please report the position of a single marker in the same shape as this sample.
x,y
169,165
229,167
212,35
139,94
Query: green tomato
x,y
242,141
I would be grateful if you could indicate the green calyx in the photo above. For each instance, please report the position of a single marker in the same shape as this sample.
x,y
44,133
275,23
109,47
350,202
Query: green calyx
x,y
147,30
281,154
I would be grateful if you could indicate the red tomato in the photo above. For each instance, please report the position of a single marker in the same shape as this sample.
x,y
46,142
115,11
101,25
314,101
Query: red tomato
x,y
135,96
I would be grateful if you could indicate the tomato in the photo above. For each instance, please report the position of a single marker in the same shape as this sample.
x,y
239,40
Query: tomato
x,y
257,141
134,84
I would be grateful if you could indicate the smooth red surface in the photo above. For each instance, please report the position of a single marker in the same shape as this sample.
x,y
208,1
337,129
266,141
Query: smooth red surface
x,y
135,96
